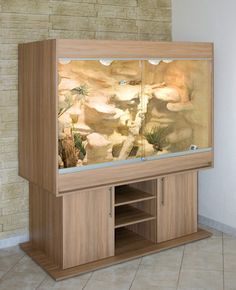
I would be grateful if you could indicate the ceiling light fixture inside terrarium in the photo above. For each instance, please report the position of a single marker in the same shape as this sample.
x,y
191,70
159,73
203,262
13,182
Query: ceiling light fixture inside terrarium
x,y
167,60
106,62
154,61
64,61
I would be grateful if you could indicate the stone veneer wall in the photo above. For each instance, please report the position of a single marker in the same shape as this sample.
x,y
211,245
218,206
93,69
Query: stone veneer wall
x,y
30,20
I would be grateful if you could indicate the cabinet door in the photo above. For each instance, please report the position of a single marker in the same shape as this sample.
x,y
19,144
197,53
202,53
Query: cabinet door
x,y
177,206
88,226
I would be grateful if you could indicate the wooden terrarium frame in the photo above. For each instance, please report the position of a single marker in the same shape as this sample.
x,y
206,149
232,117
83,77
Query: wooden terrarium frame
x,y
41,98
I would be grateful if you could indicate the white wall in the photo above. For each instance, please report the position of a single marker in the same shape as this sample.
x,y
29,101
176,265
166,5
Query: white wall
x,y
215,21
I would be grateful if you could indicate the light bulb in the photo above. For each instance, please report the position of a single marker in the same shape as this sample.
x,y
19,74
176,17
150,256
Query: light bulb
x,y
106,62
64,60
154,61
167,60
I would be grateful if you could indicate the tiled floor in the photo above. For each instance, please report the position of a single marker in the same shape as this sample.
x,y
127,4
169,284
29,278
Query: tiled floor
x,y
205,265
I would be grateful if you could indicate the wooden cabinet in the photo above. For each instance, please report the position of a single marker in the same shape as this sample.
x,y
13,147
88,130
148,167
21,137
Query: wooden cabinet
x,y
176,206
94,228
88,225
82,220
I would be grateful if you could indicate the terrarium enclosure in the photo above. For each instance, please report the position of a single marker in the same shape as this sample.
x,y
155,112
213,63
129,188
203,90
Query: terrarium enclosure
x,y
112,111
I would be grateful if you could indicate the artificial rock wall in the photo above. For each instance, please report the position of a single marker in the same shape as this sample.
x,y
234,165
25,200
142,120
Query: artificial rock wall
x,y
30,20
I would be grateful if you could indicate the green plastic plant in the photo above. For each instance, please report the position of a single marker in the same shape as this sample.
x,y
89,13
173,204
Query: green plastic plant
x,y
157,137
67,104
80,92
79,145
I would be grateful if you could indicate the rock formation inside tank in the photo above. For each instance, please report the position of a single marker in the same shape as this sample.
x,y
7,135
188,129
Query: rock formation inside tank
x,y
130,109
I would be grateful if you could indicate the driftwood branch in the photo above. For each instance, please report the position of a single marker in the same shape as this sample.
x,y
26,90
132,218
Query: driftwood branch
x,y
134,129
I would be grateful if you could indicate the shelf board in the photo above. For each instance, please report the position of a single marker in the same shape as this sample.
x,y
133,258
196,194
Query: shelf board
x,y
129,215
126,195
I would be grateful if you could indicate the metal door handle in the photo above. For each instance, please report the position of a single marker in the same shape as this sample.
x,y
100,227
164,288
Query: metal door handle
x,y
111,202
162,191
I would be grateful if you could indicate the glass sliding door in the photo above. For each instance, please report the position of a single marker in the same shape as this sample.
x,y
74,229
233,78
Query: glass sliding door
x,y
178,115
100,112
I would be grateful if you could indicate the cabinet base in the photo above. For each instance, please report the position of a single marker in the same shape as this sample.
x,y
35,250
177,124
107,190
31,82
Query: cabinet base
x,y
134,247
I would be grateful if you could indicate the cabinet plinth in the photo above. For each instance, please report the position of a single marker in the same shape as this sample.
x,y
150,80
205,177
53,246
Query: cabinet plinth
x,y
129,246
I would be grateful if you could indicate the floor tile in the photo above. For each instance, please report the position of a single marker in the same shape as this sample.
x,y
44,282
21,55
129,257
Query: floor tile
x,y
212,245
76,283
7,262
202,260
156,275
21,281
229,246
2,273
215,233
229,281
227,236
230,262
85,276
27,265
147,285
171,258
11,251
104,285
200,280
123,272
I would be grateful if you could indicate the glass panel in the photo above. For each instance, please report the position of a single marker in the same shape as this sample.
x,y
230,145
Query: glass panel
x,y
178,110
100,112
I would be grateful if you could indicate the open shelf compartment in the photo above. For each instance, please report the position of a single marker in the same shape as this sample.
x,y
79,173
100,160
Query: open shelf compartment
x,y
135,216
126,240
126,194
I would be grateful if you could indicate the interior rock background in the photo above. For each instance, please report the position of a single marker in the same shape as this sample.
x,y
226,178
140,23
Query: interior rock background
x,y
31,20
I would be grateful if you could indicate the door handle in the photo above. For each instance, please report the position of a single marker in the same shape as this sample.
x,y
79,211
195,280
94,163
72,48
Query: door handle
x,y
111,202
162,191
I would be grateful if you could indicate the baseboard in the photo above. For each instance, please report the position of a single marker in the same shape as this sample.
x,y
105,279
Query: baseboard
x,y
217,225
13,241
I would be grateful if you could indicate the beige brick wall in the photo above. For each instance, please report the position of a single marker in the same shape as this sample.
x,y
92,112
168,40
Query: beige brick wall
x,y
28,20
